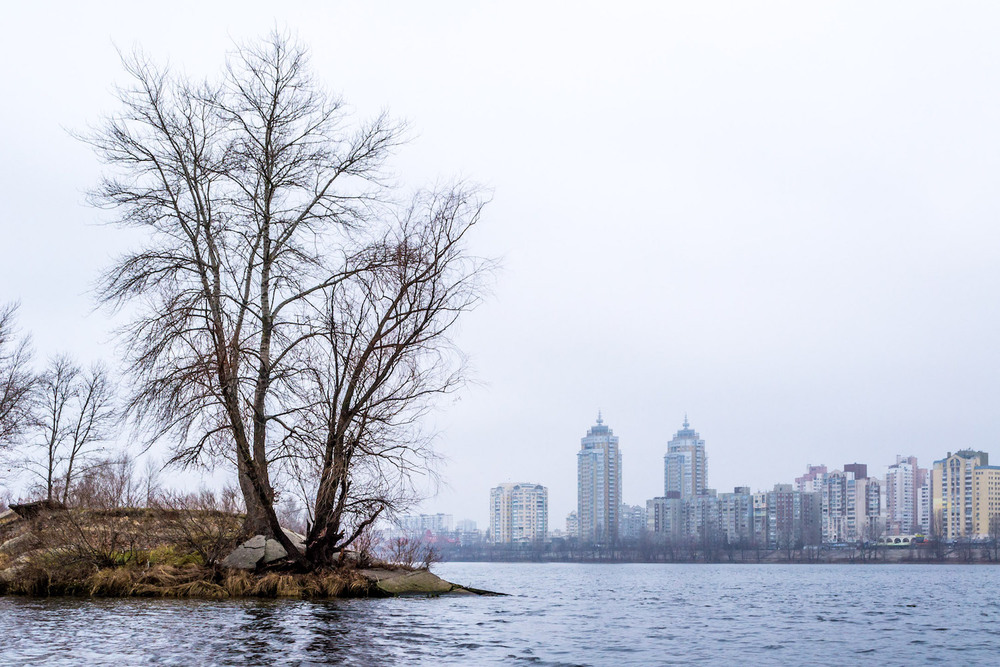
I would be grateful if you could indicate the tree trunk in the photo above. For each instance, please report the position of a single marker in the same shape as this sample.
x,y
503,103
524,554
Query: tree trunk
x,y
257,521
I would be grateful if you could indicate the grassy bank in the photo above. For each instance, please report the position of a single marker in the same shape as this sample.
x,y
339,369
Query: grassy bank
x,y
172,554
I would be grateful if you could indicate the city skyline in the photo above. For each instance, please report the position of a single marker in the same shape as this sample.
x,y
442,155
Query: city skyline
x,y
957,498
898,485
632,495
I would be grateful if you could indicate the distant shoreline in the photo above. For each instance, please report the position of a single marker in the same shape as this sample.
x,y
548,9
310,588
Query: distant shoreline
x,y
726,562
945,555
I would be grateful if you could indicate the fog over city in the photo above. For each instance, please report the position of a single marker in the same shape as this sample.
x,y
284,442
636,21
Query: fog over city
x,y
778,219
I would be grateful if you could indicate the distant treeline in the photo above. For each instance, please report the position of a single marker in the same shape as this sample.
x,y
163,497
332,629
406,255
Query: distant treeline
x,y
572,551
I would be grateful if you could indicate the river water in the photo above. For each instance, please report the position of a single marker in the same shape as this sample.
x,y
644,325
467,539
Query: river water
x,y
557,614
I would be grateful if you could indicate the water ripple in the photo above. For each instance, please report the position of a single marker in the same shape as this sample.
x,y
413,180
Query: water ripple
x,y
560,615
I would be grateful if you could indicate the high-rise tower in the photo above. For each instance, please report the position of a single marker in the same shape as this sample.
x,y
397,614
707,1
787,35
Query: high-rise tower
x,y
599,484
902,496
685,466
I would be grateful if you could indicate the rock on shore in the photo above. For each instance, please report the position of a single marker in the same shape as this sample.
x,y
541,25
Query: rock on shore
x,y
402,582
259,550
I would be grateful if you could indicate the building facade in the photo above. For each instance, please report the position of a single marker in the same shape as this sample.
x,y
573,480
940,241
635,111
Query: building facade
x,y
685,465
812,480
952,494
986,501
519,513
736,516
632,521
902,497
668,519
599,484
421,524
793,518
572,524
924,506
851,506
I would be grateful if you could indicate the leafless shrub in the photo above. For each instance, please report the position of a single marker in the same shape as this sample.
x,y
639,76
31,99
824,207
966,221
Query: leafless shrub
x,y
369,546
204,523
98,538
109,484
410,552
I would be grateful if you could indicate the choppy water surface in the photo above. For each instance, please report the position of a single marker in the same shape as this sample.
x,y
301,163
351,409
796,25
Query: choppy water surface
x,y
559,614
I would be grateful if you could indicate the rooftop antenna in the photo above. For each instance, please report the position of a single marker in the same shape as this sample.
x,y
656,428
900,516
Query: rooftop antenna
x,y
686,419
599,420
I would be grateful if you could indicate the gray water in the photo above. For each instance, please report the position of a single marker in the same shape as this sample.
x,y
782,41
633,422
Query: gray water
x,y
558,614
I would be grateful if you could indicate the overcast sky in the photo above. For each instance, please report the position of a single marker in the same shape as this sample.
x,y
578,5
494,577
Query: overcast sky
x,y
778,217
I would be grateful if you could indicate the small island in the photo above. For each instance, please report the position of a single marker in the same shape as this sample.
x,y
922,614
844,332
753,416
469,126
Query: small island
x,y
49,550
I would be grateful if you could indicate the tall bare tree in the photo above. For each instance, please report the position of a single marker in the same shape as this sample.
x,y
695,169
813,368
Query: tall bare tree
x,y
94,413
292,318
74,413
16,378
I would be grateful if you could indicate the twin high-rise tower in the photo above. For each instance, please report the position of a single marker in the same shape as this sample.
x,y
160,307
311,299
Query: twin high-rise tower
x,y
599,478
599,484
685,466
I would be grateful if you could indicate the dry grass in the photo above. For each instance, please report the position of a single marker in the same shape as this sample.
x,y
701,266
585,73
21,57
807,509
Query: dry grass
x,y
33,578
137,553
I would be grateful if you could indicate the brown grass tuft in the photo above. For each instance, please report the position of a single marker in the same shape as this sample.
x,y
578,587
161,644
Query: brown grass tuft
x,y
274,585
112,582
238,583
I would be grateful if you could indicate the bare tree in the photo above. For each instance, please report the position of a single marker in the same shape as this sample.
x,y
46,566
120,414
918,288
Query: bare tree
x,y
871,538
786,540
56,388
93,414
937,535
16,378
292,318
110,483
993,542
151,482
73,413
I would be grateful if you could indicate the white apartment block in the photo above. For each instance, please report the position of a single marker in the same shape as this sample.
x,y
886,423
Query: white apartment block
x,y
519,513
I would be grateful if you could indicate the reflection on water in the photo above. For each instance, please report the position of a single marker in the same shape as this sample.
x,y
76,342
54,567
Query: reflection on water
x,y
558,615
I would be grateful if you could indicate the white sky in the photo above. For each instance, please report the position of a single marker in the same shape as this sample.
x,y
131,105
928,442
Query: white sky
x,y
778,217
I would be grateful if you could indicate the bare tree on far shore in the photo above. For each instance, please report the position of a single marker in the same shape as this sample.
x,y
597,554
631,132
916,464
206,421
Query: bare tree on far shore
x,y
74,412
993,535
16,378
292,316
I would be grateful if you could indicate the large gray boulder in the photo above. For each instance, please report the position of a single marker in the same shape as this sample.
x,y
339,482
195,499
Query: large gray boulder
x,y
247,555
259,550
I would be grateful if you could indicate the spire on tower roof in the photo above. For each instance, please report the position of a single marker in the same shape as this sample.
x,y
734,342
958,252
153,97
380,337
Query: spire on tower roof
x,y
599,420
686,420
